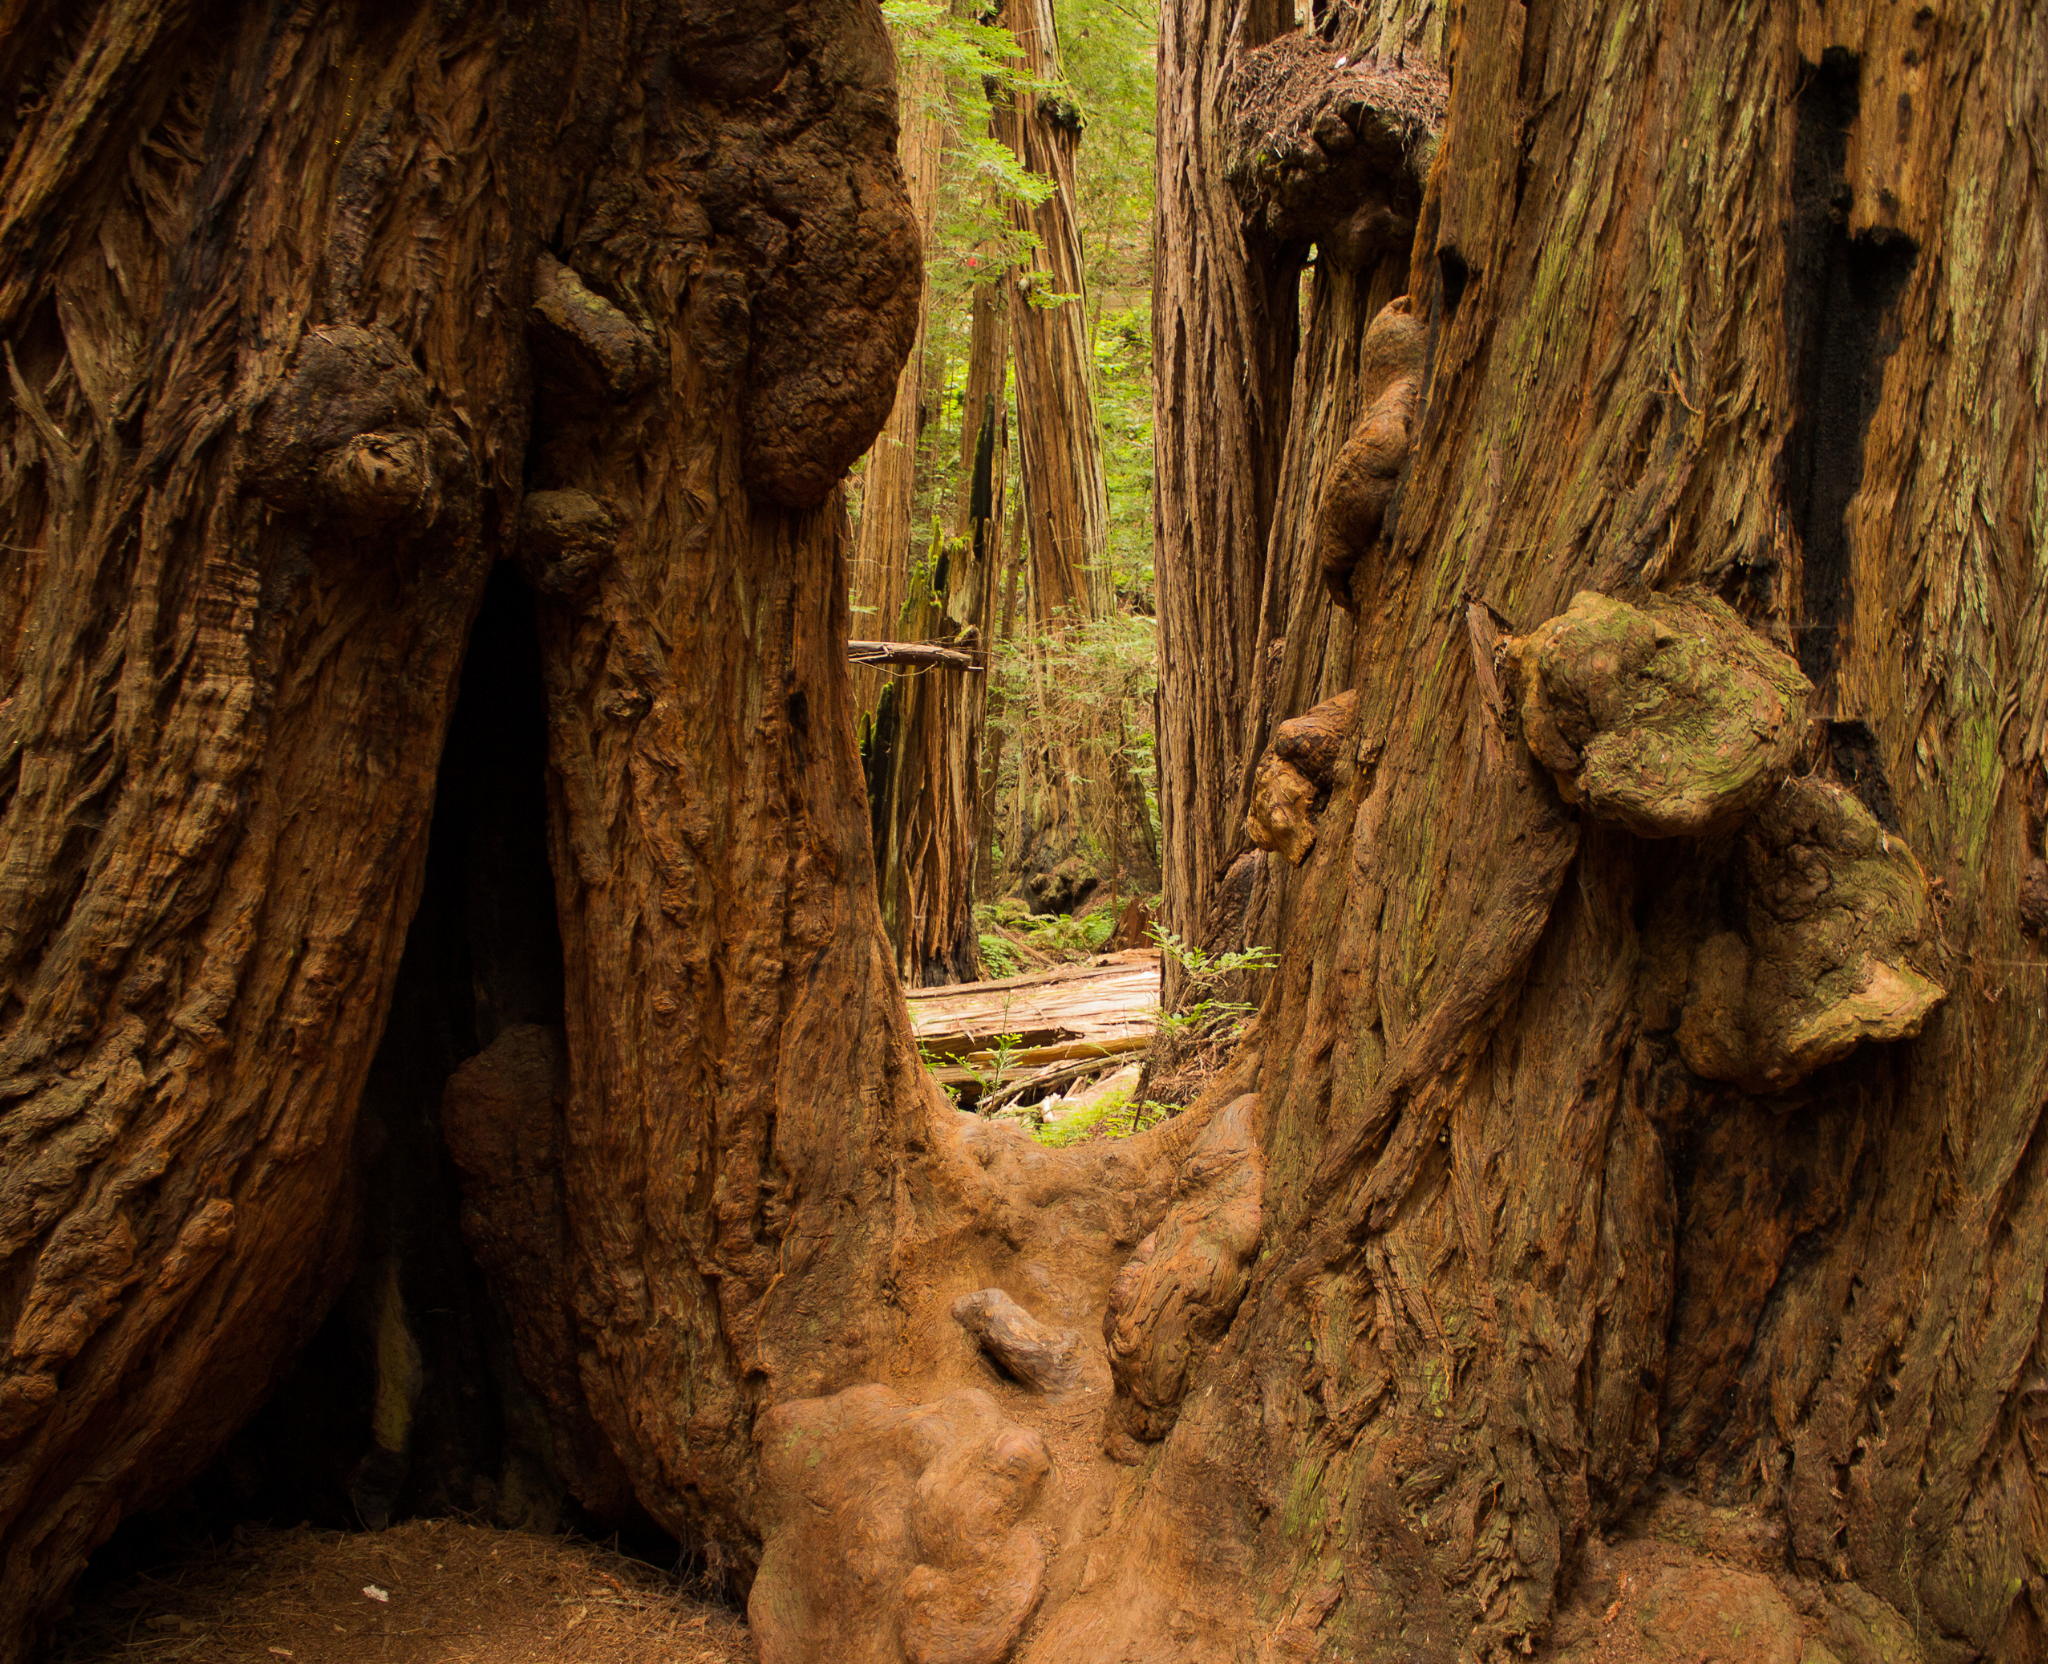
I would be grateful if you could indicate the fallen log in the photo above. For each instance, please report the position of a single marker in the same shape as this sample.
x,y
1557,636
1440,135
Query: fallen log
x,y
1118,995
956,1073
921,655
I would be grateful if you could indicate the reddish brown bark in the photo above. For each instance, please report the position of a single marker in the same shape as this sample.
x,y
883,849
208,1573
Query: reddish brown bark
x,y
1223,339
1480,1248
278,287
928,815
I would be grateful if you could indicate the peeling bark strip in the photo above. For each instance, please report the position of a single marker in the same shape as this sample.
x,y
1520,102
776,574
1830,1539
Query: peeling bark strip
x,y
277,289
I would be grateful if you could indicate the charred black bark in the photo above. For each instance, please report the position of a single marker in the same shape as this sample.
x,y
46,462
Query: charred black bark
x,y
1840,327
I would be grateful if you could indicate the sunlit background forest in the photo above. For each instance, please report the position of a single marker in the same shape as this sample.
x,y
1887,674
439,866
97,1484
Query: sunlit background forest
x,y
1070,694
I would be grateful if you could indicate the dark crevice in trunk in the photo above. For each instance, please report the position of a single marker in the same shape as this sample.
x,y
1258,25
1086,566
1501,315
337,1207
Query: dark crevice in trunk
x,y
1839,329
408,1401
877,755
1454,274
1856,761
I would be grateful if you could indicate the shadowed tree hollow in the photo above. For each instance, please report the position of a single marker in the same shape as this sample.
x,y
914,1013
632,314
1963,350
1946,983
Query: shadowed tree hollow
x,y
1641,1137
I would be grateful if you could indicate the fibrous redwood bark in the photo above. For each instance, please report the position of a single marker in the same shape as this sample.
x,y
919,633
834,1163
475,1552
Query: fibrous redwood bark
x,y
277,285
1373,91
1482,1244
1521,1256
1223,340
927,816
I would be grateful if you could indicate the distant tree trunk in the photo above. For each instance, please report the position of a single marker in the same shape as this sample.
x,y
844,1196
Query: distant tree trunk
x,y
1059,439
881,547
928,816
1016,554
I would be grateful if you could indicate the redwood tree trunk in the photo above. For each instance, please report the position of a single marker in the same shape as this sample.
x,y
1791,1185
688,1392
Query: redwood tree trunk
x,y
1304,642
278,287
1223,343
928,816
1520,1255
881,549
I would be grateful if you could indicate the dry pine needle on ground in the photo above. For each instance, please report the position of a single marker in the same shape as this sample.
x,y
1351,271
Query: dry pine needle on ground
x,y
456,1594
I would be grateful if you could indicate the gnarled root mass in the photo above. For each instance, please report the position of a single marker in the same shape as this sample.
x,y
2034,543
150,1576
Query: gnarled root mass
x,y
1177,1295
896,1533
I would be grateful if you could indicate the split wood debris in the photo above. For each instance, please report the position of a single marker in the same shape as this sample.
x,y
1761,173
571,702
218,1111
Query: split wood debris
x,y
1063,1021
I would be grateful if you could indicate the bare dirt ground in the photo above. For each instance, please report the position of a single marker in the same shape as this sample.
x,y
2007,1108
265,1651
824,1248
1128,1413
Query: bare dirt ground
x,y
454,1594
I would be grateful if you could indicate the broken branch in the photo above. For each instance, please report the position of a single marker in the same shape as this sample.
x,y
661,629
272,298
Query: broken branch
x,y
925,655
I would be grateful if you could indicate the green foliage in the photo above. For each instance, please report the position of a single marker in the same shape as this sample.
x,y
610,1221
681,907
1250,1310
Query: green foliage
x,y
998,958
989,1075
1205,1011
979,177
1123,403
1064,933
1108,51
1113,1115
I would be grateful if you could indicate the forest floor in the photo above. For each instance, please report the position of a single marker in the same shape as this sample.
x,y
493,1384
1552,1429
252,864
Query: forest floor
x,y
425,1592
1685,1584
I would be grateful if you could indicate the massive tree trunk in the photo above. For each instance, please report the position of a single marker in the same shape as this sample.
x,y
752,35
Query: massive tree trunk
x,y
1351,188
1632,1123
1697,314
1223,342
279,287
1270,145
